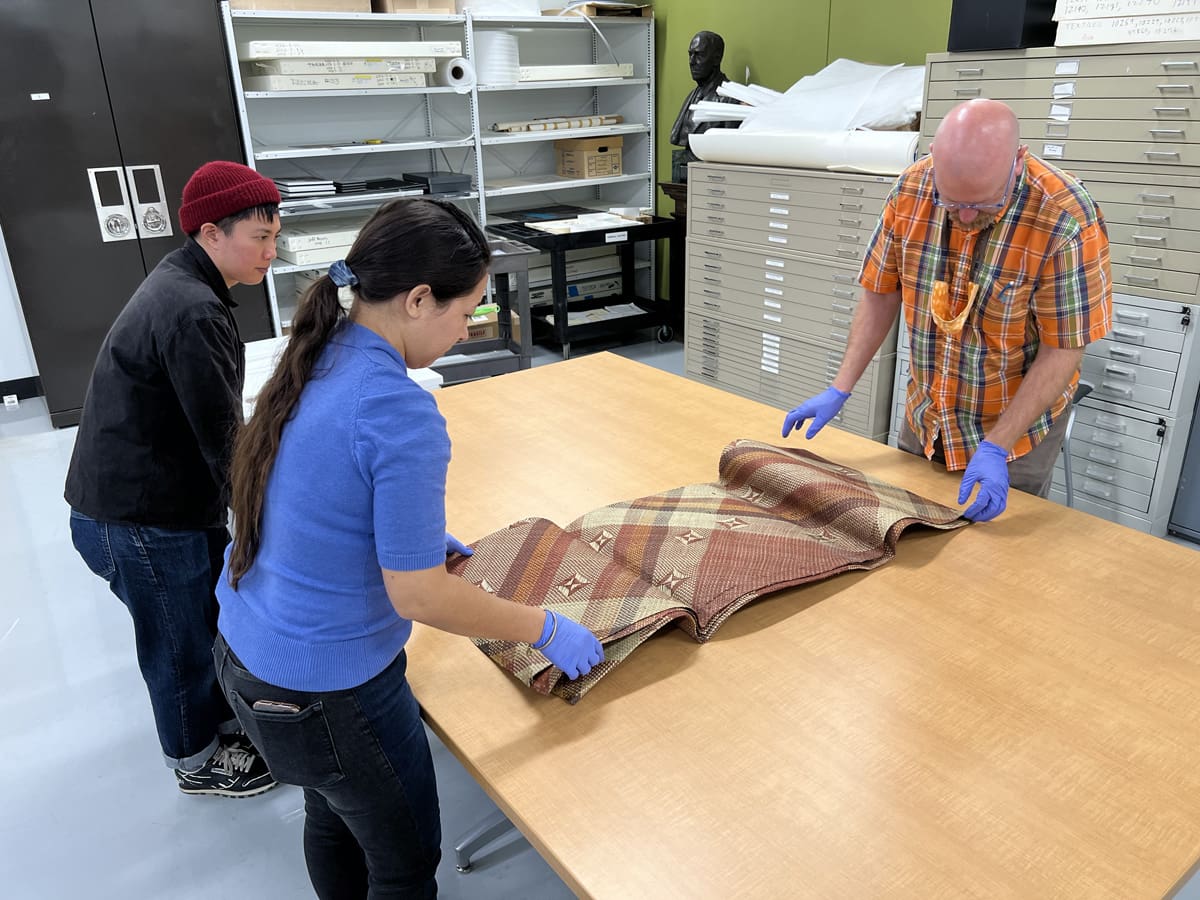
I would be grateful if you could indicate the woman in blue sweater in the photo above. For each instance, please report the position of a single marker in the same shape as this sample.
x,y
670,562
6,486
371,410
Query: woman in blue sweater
x,y
339,503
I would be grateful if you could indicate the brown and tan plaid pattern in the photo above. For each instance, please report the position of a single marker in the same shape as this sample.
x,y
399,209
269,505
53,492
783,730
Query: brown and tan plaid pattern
x,y
694,555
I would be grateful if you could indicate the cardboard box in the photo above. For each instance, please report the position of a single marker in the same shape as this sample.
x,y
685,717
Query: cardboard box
x,y
354,6
486,326
642,11
424,7
589,157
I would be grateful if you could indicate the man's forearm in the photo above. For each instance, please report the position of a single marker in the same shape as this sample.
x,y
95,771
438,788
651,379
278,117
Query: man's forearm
x,y
872,321
1047,378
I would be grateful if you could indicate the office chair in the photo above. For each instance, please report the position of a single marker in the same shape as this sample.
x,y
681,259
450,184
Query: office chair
x,y
1081,390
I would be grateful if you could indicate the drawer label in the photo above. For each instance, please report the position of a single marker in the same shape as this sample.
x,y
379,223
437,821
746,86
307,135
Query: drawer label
x,y
1053,151
782,226
1067,67
1063,89
772,304
771,317
1060,112
616,237
776,239
775,292
779,211
776,195
769,338
772,276
774,263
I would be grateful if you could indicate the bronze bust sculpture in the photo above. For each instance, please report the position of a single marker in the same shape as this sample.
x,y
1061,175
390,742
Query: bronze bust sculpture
x,y
705,53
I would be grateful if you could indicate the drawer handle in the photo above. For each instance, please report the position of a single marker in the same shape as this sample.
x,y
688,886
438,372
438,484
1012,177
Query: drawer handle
x,y
853,238
1111,422
1147,260
715,177
839,321
1175,131
711,267
710,304
850,189
1175,87
1165,198
712,254
838,336
1148,239
842,251
1096,490
841,307
716,294
842,292
1098,437
1127,393
1142,279
853,223
1125,315
843,277
975,70
711,205
1097,473
716,220
1166,220
1178,64
708,373
1102,458
1129,337
712,280
1172,110
717,232
716,192
1124,353
1161,154
1121,372
967,92
850,207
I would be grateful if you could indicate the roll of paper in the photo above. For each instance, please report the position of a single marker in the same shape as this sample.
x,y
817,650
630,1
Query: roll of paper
x,y
498,57
871,152
457,73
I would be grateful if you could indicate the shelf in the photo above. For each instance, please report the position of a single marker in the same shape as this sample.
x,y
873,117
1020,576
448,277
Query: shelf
x,y
571,21
309,206
571,83
587,276
351,92
337,18
364,149
540,184
525,137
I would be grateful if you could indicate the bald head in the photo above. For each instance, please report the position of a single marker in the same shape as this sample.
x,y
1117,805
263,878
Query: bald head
x,y
974,148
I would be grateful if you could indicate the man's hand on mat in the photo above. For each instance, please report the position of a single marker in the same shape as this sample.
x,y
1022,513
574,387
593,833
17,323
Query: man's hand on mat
x,y
989,469
820,409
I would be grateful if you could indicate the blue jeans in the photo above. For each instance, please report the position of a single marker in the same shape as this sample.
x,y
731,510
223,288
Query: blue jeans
x,y
372,826
166,578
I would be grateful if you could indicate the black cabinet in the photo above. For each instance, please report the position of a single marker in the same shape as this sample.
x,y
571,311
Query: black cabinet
x,y
107,107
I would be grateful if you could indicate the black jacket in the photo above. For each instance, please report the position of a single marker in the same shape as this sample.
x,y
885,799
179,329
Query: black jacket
x,y
156,433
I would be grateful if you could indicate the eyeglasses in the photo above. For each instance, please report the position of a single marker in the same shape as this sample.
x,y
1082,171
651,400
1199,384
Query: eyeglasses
x,y
979,207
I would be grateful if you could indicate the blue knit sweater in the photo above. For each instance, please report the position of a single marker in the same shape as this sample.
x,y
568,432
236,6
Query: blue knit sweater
x,y
358,485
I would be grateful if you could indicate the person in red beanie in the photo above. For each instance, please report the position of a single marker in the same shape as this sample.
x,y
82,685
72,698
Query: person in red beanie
x,y
148,483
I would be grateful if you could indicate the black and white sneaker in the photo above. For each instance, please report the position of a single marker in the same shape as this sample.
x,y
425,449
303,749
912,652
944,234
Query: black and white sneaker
x,y
234,770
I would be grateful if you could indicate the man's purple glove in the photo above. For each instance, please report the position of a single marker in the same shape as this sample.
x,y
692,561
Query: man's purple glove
x,y
820,409
989,469
569,645
454,545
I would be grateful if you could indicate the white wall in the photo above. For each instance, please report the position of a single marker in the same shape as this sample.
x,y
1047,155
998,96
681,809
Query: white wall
x,y
16,353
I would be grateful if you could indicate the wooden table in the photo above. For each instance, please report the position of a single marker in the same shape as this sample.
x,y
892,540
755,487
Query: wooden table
x,y
1008,710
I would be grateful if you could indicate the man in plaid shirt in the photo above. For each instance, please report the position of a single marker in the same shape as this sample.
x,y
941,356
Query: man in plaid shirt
x,y
999,262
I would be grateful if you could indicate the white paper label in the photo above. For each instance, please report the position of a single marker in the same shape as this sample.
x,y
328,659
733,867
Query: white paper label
x,y
776,196
1067,67
1060,112
770,338
778,320
39,96
772,304
774,263
771,354
774,292
776,239
774,370
772,276
616,237
1052,151
780,225
1063,89
779,211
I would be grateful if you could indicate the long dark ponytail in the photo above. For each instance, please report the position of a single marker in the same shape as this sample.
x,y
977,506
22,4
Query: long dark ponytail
x,y
407,242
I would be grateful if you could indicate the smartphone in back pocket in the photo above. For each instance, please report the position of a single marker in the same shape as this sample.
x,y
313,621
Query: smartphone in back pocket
x,y
275,706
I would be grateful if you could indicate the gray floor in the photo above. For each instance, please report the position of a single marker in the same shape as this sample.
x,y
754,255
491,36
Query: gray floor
x,y
87,808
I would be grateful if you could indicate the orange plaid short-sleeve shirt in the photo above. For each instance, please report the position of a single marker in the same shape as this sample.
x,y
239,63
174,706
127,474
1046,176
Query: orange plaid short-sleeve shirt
x,y
1044,278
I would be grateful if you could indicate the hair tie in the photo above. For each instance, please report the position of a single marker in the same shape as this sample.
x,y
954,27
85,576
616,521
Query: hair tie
x,y
340,274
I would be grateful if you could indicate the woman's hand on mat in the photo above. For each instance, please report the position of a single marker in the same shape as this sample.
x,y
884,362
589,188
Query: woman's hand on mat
x,y
820,409
454,545
989,469
569,645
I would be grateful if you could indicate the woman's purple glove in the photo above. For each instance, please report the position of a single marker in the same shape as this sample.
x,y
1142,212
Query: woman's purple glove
x,y
454,545
820,409
569,645
989,469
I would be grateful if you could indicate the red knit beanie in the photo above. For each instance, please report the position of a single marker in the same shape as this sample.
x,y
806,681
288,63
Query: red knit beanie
x,y
219,189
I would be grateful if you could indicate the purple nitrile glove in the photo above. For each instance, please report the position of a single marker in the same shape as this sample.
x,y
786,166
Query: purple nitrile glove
x,y
454,545
989,469
820,409
569,645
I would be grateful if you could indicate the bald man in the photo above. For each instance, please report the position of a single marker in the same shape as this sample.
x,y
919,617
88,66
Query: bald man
x,y
999,262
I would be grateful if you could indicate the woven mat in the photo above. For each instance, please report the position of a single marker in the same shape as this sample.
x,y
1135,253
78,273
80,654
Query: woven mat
x,y
692,556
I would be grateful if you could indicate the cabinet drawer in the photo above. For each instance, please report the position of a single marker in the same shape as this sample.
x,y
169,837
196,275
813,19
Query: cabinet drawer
x,y
1117,352
823,295
1096,489
1065,64
1084,454
1129,384
1147,326
1181,283
794,319
849,251
1165,110
777,270
822,209
1150,256
1151,196
1151,132
1109,426
786,262
1112,475
776,184
1144,87
783,225
1181,222
1153,237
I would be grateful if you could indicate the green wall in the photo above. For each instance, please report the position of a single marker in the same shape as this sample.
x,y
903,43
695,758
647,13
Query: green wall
x,y
781,42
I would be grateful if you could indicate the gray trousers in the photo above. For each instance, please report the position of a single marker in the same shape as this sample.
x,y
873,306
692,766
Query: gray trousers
x,y
1032,473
